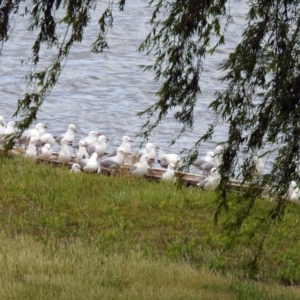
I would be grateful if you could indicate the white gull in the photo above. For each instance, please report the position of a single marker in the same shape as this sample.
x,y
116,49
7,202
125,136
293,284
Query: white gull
x,y
82,152
210,182
90,140
91,165
44,152
2,125
69,134
8,132
46,138
31,150
35,132
125,146
259,166
100,147
150,151
113,162
64,155
167,158
76,168
169,175
140,168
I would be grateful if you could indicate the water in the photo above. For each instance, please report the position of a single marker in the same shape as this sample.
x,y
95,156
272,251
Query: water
x,y
104,92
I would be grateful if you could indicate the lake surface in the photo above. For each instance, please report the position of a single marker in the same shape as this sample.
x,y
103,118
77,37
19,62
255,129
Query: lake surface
x,y
104,92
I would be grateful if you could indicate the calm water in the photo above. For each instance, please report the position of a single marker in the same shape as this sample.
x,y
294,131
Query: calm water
x,y
104,92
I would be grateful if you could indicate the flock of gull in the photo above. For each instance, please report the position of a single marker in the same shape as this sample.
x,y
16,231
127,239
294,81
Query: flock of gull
x,y
89,155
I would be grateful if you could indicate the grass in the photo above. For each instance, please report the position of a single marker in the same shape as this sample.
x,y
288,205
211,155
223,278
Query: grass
x,y
80,236
34,270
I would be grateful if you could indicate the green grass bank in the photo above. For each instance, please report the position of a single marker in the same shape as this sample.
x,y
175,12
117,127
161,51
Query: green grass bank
x,y
80,236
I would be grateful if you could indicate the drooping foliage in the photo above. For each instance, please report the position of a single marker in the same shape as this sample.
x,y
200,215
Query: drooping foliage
x,y
180,39
261,100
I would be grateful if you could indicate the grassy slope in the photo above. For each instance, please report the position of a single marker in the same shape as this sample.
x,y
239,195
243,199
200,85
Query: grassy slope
x,y
119,216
